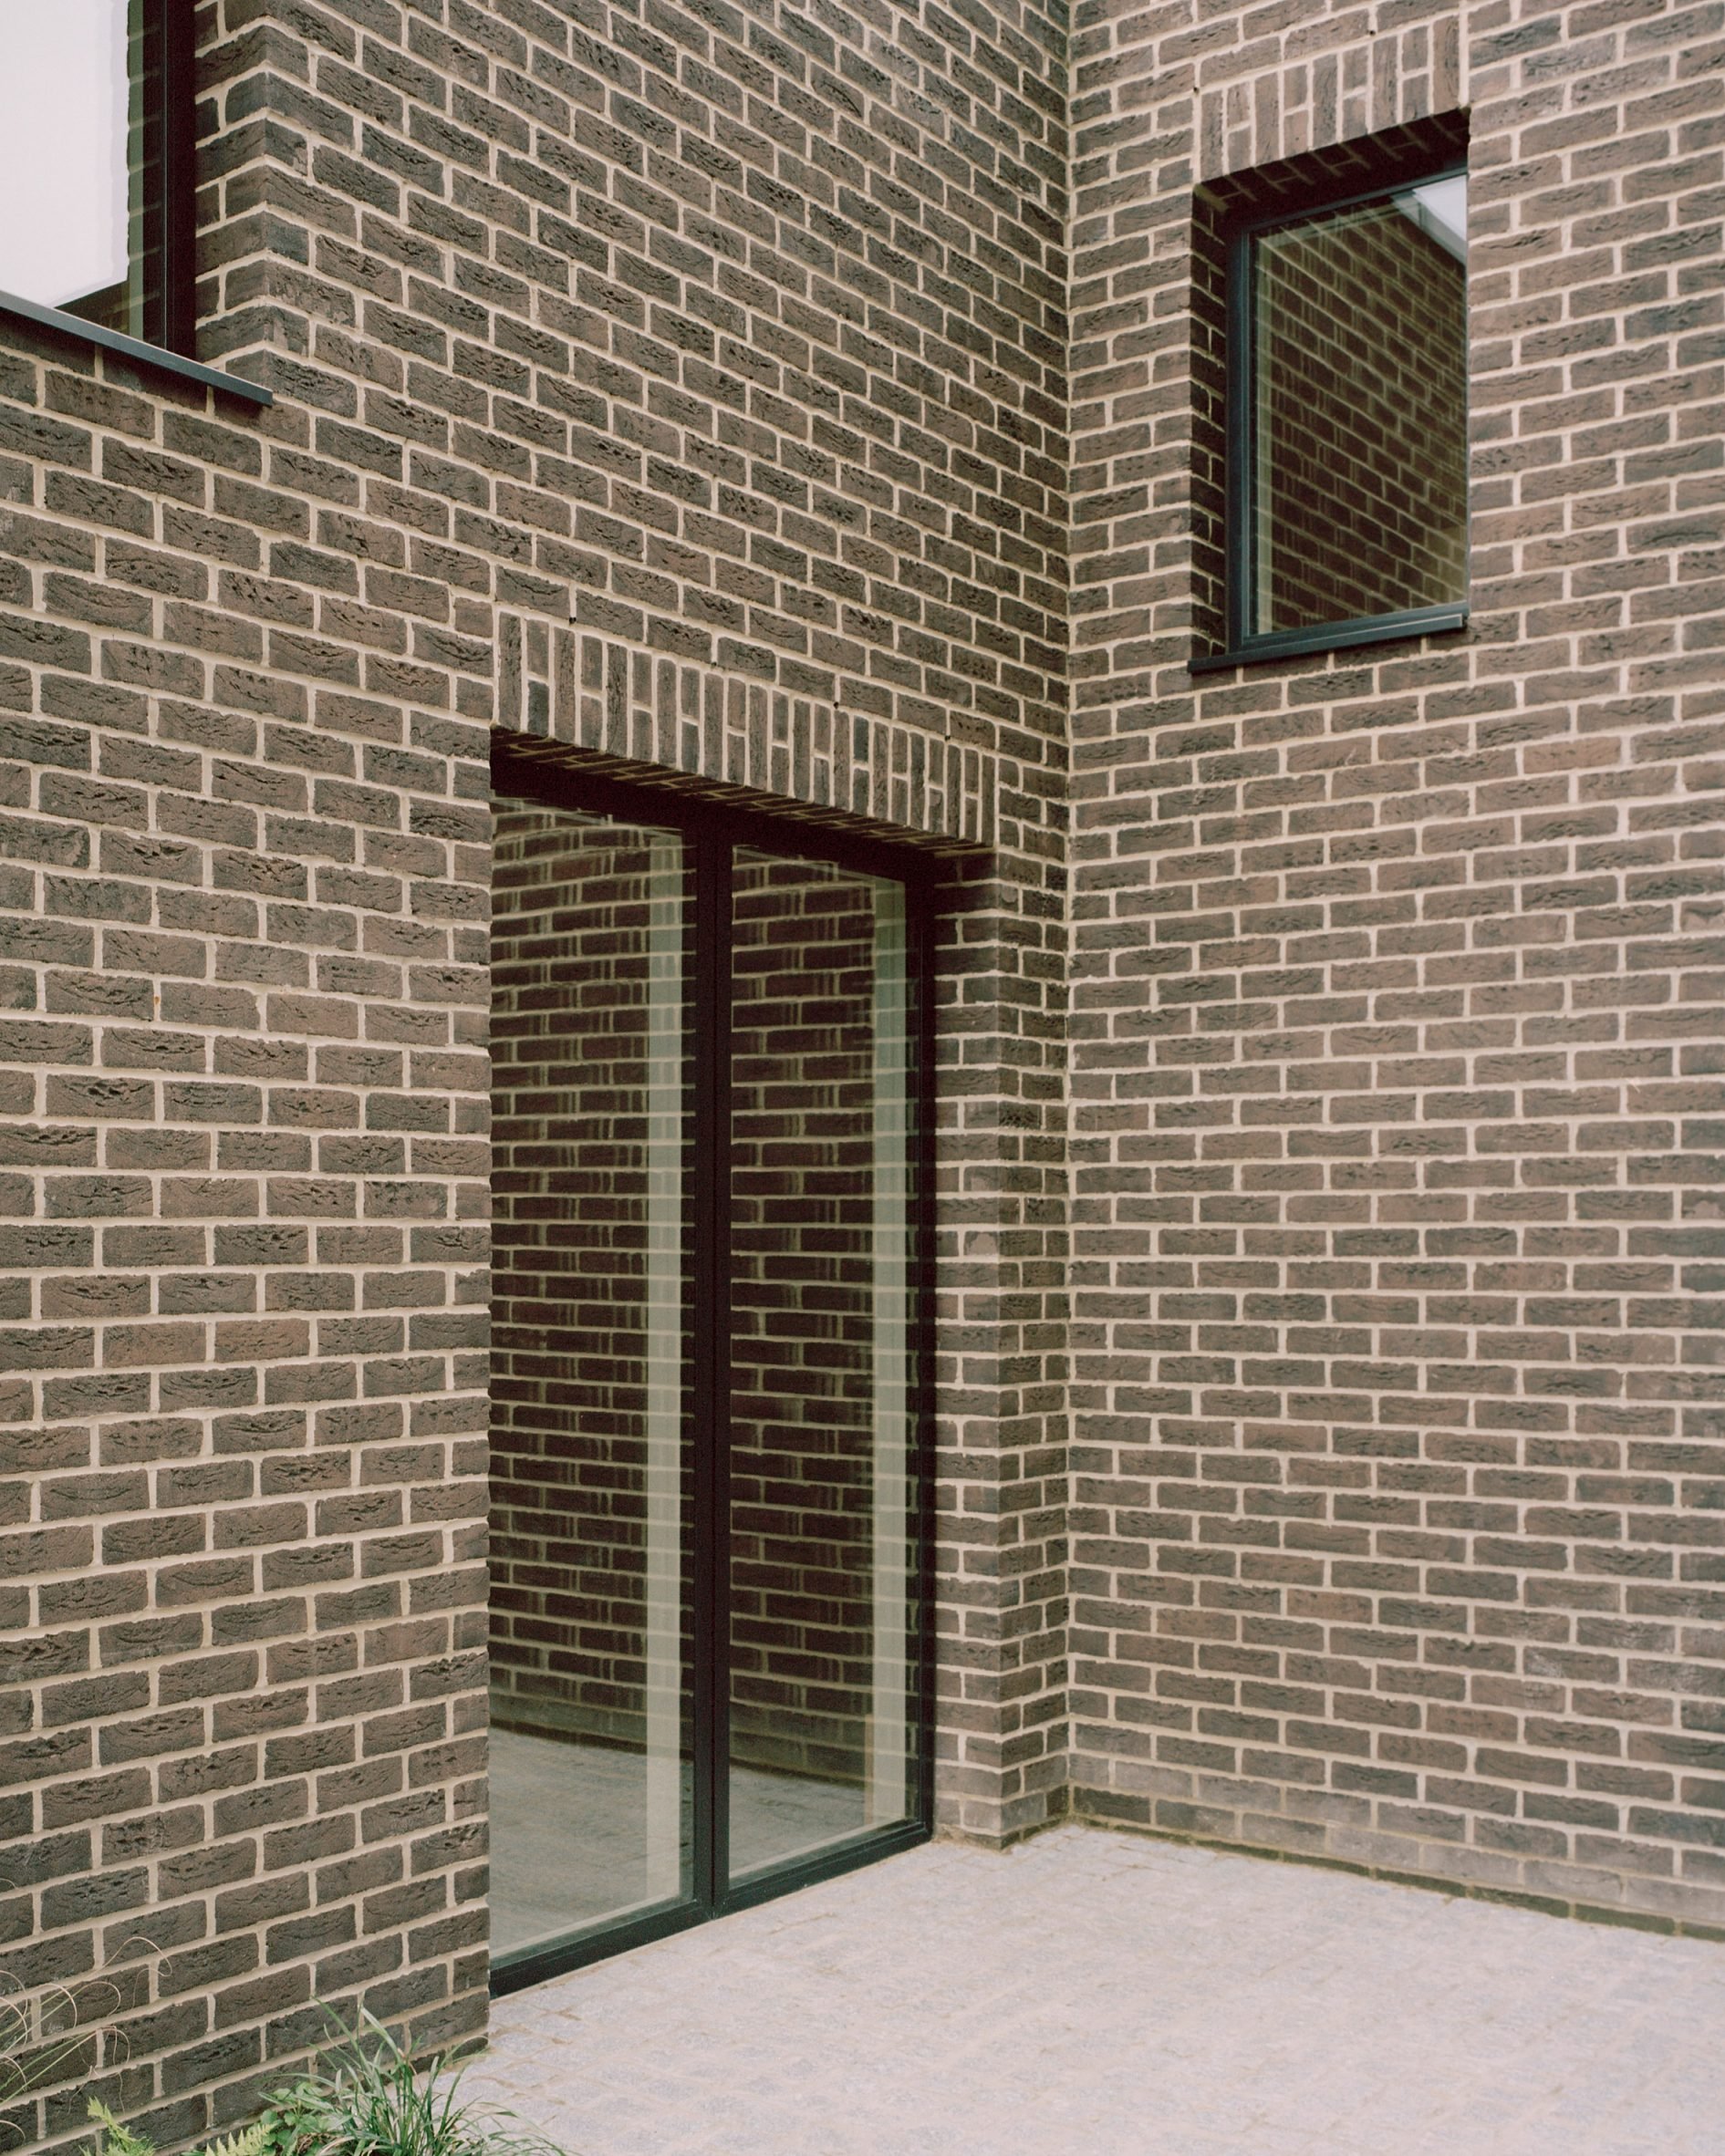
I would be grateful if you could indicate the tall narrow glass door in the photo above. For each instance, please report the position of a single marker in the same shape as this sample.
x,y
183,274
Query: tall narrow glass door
x,y
590,1701
821,1513
707,1478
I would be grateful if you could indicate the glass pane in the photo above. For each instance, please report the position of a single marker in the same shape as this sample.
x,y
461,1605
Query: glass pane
x,y
68,153
590,1497
1361,415
821,1521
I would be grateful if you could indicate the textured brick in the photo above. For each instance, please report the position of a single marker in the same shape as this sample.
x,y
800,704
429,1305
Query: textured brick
x,y
711,403
1368,1344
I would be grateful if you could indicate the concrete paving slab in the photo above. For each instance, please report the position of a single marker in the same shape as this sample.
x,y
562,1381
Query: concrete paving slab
x,y
1092,1994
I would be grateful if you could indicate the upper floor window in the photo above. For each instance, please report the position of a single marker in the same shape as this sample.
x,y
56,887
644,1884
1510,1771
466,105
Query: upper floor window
x,y
1347,426
96,131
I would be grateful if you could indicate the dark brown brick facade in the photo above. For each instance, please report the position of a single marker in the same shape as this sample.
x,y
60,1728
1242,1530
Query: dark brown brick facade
x,y
739,332
1390,1441
1396,1413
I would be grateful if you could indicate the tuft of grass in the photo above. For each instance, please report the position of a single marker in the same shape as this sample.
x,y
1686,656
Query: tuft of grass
x,y
370,2098
367,2098
44,2033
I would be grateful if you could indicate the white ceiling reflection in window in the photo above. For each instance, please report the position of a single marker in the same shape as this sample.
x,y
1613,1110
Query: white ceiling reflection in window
x,y
1440,209
64,104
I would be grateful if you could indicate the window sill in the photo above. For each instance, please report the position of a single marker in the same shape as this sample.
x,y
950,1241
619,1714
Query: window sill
x,y
131,347
1333,636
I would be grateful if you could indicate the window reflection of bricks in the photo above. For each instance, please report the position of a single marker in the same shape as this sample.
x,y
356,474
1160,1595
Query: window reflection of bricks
x,y
803,1319
570,959
569,1447
1363,421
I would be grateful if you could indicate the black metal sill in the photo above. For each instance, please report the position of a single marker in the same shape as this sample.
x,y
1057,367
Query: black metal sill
x,y
133,348
1333,636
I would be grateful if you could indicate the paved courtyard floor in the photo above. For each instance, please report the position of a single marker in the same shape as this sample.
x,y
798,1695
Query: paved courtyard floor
x,y
1092,1994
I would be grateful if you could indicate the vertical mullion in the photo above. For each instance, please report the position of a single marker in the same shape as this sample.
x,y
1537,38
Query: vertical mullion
x,y
920,912
1240,361
711,1339
891,1748
173,214
666,1347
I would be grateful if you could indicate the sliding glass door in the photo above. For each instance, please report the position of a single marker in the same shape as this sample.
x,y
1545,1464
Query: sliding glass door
x,y
708,1474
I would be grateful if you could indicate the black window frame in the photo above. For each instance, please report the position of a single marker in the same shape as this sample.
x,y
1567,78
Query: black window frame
x,y
168,218
1246,647
713,832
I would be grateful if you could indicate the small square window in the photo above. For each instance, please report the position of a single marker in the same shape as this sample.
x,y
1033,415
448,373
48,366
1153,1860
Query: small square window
x,y
96,124
1348,419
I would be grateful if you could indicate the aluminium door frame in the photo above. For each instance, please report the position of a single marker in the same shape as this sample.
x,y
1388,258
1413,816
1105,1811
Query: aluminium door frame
x,y
713,834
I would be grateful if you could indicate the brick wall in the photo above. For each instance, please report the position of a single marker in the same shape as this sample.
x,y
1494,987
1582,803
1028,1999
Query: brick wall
x,y
741,333
1392,1084
1397,1460
244,1191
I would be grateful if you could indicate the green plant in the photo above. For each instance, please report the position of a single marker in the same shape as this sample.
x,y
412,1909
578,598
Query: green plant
x,y
121,2141
24,2027
117,2140
370,2098
367,2098
57,2032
